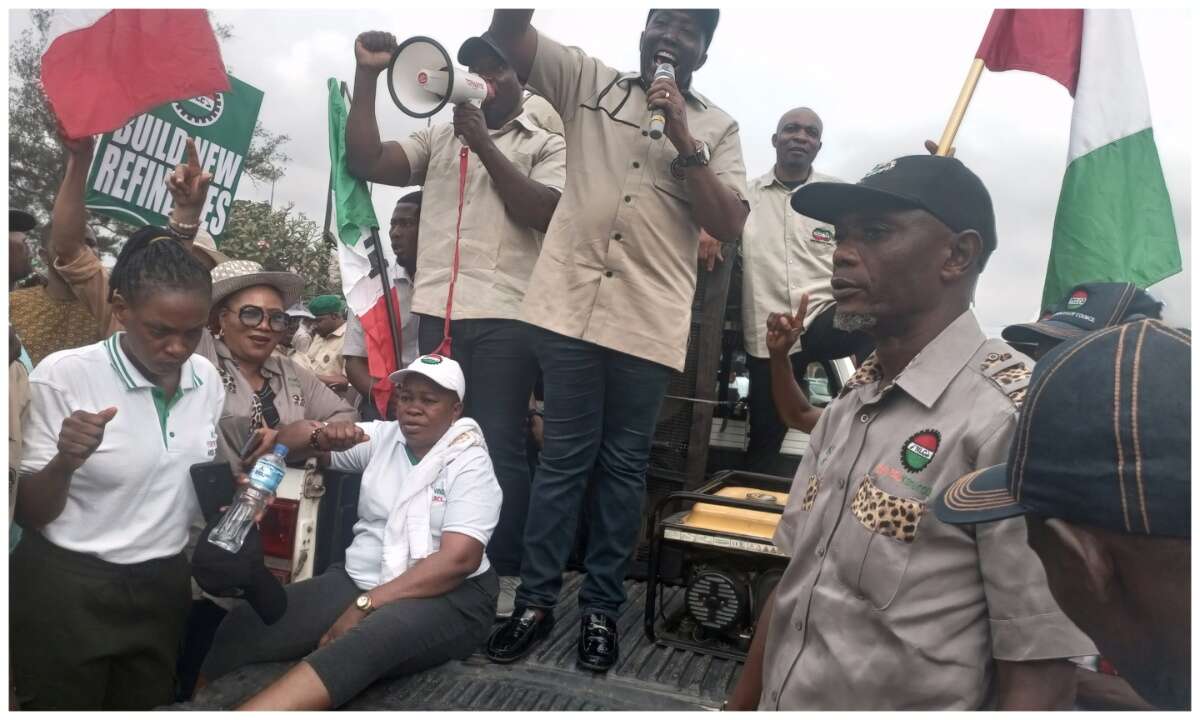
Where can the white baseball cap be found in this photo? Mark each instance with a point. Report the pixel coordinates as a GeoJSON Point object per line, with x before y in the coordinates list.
{"type": "Point", "coordinates": [442, 370]}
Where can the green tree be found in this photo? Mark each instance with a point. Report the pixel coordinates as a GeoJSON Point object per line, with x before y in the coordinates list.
{"type": "Point", "coordinates": [281, 239]}
{"type": "Point", "coordinates": [36, 160]}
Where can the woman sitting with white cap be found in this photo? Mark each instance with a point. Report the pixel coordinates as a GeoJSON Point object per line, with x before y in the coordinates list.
{"type": "Point", "coordinates": [416, 589]}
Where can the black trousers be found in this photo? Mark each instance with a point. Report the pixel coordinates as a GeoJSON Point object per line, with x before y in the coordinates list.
{"type": "Point", "coordinates": [822, 341]}
{"type": "Point", "coordinates": [93, 635]}
{"type": "Point", "coordinates": [498, 362]}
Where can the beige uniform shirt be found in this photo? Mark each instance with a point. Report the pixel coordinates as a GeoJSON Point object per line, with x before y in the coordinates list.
{"type": "Point", "coordinates": [618, 267]}
{"type": "Point", "coordinates": [299, 395]}
{"type": "Point", "coordinates": [323, 356]}
{"type": "Point", "coordinates": [784, 255]}
{"type": "Point", "coordinates": [496, 253]}
{"type": "Point", "coordinates": [882, 606]}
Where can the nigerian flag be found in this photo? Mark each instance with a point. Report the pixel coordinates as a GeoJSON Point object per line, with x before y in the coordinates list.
{"type": "Point", "coordinates": [1114, 220]}
{"type": "Point", "coordinates": [355, 221]}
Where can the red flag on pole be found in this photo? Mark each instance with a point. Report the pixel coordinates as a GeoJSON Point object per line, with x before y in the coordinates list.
{"type": "Point", "coordinates": [1046, 42]}
{"type": "Point", "coordinates": [128, 62]}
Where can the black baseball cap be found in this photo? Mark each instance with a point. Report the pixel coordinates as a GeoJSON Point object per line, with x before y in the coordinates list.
{"type": "Point", "coordinates": [707, 17]}
{"type": "Point", "coordinates": [941, 186]}
{"type": "Point", "coordinates": [1088, 307]}
{"type": "Point", "coordinates": [20, 221]}
{"type": "Point", "coordinates": [472, 46]}
{"type": "Point", "coordinates": [242, 574]}
{"type": "Point", "coordinates": [1103, 439]}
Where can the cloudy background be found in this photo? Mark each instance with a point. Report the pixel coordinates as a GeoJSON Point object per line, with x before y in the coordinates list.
{"type": "Point", "coordinates": [883, 80]}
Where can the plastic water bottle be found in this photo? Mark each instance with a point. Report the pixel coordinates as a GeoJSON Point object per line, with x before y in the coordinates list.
{"type": "Point", "coordinates": [230, 532]}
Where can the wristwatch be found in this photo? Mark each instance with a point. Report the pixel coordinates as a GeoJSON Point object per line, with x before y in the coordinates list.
{"type": "Point", "coordinates": [699, 158]}
{"type": "Point", "coordinates": [363, 602]}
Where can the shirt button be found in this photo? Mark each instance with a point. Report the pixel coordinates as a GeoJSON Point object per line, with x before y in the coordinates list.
{"type": "Point", "coordinates": [608, 273]}
{"type": "Point", "coordinates": [171, 434]}
{"type": "Point", "coordinates": [841, 482]}
{"type": "Point", "coordinates": [774, 696]}
{"type": "Point", "coordinates": [637, 164]}
{"type": "Point", "coordinates": [864, 418]}
{"type": "Point", "coordinates": [616, 236]}
{"type": "Point", "coordinates": [628, 198]}
{"type": "Point", "coordinates": [820, 551]}
{"type": "Point", "coordinates": [799, 624]}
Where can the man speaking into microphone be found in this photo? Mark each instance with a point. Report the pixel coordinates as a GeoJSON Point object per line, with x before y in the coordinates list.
{"type": "Point", "coordinates": [610, 298]}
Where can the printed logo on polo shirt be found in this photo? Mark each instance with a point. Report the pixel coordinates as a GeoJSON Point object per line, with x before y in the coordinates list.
{"type": "Point", "coordinates": [1077, 299]}
{"type": "Point", "coordinates": [439, 494]}
{"type": "Point", "coordinates": [918, 451]}
{"type": "Point", "coordinates": [822, 235]}
{"type": "Point", "coordinates": [432, 360]}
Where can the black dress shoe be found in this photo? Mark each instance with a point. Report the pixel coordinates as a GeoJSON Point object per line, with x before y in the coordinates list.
{"type": "Point", "coordinates": [516, 636]}
{"type": "Point", "coordinates": [597, 642]}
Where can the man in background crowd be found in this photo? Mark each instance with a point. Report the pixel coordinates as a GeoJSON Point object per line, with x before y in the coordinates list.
{"type": "Point", "coordinates": [324, 354]}
{"type": "Point", "coordinates": [786, 255]}
{"type": "Point", "coordinates": [20, 265]}
{"type": "Point", "coordinates": [406, 218]}
{"type": "Point", "coordinates": [296, 338]}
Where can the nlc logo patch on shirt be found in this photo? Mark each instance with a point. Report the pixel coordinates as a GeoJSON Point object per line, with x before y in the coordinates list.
{"type": "Point", "coordinates": [918, 451]}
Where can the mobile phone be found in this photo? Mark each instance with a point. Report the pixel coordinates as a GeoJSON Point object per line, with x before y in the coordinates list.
{"type": "Point", "coordinates": [251, 443]}
{"type": "Point", "coordinates": [214, 484]}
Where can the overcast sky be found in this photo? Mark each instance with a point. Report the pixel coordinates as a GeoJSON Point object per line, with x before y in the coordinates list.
{"type": "Point", "coordinates": [882, 80]}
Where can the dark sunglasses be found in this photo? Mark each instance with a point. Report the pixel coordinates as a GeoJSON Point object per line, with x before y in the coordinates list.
{"type": "Point", "coordinates": [252, 316]}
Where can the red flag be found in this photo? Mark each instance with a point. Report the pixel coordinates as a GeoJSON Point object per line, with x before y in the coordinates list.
{"type": "Point", "coordinates": [1046, 42]}
{"type": "Point", "coordinates": [381, 356]}
{"type": "Point", "coordinates": [129, 62]}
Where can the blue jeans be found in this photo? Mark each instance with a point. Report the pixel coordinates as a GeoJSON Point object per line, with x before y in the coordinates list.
{"type": "Point", "coordinates": [600, 411]}
{"type": "Point", "coordinates": [497, 360]}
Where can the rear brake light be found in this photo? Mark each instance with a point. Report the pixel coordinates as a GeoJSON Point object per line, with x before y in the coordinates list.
{"type": "Point", "coordinates": [278, 528]}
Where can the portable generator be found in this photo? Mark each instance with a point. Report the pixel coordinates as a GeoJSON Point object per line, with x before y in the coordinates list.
{"type": "Point", "coordinates": [720, 552]}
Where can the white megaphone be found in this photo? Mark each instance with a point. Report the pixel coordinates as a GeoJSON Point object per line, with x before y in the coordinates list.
{"type": "Point", "coordinates": [423, 79]}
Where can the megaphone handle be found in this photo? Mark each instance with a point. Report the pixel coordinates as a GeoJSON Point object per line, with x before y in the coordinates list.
{"type": "Point", "coordinates": [444, 348]}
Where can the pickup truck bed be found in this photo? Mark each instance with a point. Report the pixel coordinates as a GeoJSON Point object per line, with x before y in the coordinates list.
{"type": "Point", "coordinates": [647, 676]}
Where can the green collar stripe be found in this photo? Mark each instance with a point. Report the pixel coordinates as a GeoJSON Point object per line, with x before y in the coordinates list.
{"type": "Point", "coordinates": [114, 356]}
{"type": "Point", "coordinates": [411, 458]}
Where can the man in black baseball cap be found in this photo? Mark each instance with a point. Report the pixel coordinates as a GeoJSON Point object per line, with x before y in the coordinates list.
{"type": "Point", "coordinates": [935, 401]}
{"type": "Point", "coordinates": [1100, 467]}
{"type": "Point", "coordinates": [1086, 308]}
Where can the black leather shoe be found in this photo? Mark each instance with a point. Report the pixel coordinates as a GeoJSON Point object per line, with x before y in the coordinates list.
{"type": "Point", "coordinates": [597, 642]}
{"type": "Point", "coordinates": [516, 636]}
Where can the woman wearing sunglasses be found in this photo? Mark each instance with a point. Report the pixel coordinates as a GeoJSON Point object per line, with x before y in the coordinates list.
{"type": "Point", "coordinates": [267, 396]}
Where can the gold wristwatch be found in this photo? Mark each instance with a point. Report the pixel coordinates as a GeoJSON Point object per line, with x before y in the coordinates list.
{"type": "Point", "coordinates": [363, 602]}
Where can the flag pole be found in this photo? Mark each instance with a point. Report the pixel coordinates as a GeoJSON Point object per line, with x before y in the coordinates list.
{"type": "Point", "coordinates": [379, 267]}
{"type": "Point", "coordinates": [960, 108]}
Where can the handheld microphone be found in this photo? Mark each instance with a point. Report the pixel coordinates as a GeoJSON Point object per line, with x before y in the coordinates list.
{"type": "Point", "coordinates": [658, 120]}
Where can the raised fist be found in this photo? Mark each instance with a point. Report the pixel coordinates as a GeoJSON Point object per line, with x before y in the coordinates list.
{"type": "Point", "coordinates": [373, 50]}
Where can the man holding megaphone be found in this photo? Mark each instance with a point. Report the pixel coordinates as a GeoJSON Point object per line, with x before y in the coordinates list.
{"type": "Point", "coordinates": [650, 163]}
{"type": "Point", "coordinates": [511, 180]}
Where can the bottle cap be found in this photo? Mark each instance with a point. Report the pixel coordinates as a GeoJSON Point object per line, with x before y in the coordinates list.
{"type": "Point", "coordinates": [281, 450]}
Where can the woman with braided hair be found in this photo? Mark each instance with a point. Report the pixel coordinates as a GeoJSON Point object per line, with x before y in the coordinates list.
{"type": "Point", "coordinates": [100, 587]}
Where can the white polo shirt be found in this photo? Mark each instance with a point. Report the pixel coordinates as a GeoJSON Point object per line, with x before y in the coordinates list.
{"type": "Point", "coordinates": [466, 497]}
{"type": "Point", "coordinates": [133, 499]}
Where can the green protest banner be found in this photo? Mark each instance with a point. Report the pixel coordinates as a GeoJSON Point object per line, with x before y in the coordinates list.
{"type": "Point", "coordinates": [128, 176]}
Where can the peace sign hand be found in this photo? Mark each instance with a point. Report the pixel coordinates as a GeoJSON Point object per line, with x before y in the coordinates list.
{"type": "Point", "coordinates": [784, 329]}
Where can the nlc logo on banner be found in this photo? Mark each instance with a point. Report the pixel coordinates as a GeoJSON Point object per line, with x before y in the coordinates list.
{"type": "Point", "coordinates": [128, 176]}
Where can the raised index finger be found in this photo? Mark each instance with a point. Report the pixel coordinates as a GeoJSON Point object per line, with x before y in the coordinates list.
{"type": "Point", "coordinates": [193, 157]}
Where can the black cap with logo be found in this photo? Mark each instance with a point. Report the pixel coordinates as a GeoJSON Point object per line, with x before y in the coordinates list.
{"type": "Point", "coordinates": [1088, 307]}
{"type": "Point", "coordinates": [1103, 439]}
{"type": "Point", "coordinates": [941, 186]}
